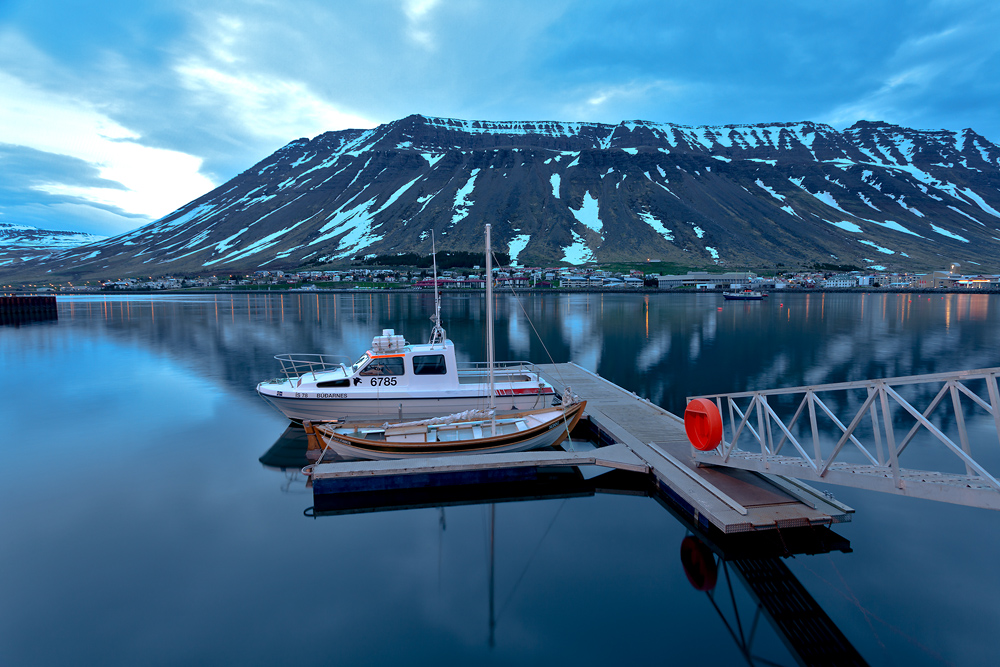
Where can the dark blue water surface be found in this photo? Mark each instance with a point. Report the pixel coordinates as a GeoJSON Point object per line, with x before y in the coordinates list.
{"type": "Point", "coordinates": [140, 527]}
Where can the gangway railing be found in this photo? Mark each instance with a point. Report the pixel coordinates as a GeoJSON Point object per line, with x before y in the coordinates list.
{"type": "Point", "coordinates": [799, 432]}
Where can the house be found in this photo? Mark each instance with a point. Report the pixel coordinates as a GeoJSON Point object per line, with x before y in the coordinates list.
{"type": "Point", "coordinates": [842, 281]}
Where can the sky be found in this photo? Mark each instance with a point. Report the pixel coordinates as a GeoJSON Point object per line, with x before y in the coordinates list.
{"type": "Point", "coordinates": [114, 113]}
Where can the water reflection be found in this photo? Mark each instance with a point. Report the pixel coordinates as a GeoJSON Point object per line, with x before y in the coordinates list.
{"type": "Point", "coordinates": [152, 467]}
{"type": "Point", "coordinates": [663, 347]}
{"type": "Point", "coordinates": [754, 584]}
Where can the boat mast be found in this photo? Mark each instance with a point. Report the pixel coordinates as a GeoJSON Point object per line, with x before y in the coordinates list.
{"type": "Point", "coordinates": [489, 318]}
{"type": "Point", "coordinates": [437, 333]}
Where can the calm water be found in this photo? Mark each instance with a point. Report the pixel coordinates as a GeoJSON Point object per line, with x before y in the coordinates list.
{"type": "Point", "coordinates": [139, 526]}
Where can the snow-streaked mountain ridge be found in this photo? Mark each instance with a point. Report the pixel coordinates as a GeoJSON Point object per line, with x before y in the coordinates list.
{"type": "Point", "coordinates": [737, 195]}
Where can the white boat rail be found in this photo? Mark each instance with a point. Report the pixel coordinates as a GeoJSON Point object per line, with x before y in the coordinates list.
{"type": "Point", "coordinates": [505, 367]}
{"type": "Point", "coordinates": [294, 365]}
{"type": "Point", "coordinates": [956, 459]}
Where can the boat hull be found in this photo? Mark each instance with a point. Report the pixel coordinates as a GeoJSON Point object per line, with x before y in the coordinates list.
{"type": "Point", "coordinates": [741, 297]}
{"type": "Point", "coordinates": [395, 407]}
{"type": "Point", "coordinates": [547, 434]}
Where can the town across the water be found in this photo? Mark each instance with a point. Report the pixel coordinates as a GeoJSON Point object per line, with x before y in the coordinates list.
{"type": "Point", "coordinates": [552, 278]}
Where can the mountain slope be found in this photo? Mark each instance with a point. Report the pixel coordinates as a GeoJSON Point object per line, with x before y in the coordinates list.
{"type": "Point", "coordinates": [737, 195]}
{"type": "Point", "coordinates": [20, 243]}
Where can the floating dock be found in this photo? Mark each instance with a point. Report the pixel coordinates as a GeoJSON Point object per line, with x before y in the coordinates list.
{"type": "Point", "coordinates": [632, 435]}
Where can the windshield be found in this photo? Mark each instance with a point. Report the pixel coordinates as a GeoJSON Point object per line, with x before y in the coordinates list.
{"type": "Point", "coordinates": [360, 362]}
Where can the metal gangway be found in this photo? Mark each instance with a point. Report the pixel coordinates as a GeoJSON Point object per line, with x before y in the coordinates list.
{"type": "Point", "coordinates": [848, 433]}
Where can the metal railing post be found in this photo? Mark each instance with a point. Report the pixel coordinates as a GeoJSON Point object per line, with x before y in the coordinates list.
{"type": "Point", "coordinates": [815, 429]}
{"type": "Point", "coordinates": [890, 439]}
{"type": "Point", "coordinates": [760, 429]}
{"type": "Point", "coordinates": [963, 435]}
{"type": "Point", "coordinates": [875, 430]}
{"type": "Point", "coordinates": [991, 387]}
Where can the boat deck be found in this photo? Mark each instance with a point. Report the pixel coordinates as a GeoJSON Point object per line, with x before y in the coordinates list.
{"type": "Point", "coordinates": [638, 436]}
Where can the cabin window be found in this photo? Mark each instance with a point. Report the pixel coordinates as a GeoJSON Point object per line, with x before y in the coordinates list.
{"type": "Point", "coordinates": [384, 366]}
{"type": "Point", "coordinates": [333, 383]}
{"type": "Point", "coordinates": [360, 362]}
{"type": "Point", "coordinates": [429, 364]}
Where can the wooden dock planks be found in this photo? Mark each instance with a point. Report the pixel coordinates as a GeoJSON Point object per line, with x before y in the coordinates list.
{"type": "Point", "coordinates": [640, 437]}
{"type": "Point", "coordinates": [725, 498]}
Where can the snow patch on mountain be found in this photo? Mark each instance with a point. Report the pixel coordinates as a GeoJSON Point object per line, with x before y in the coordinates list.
{"type": "Point", "coordinates": [516, 245]}
{"type": "Point", "coordinates": [338, 223]}
{"type": "Point", "coordinates": [846, 226]}
{"type": "Point", "coordinates": [980, 203]}
{"type": "Point", "coordinates": [945, 232]}
{"type": "Point", "coordinates": [868, 201]}
{"type": "Point", "coordinates": [966, 215]}
{"type": "Point", "coordinates": [588, 213]}
{"type": "Point", "coordinates": [657, 226]}
{"type": "Point", "coordinates": [912, 210]}
{"type": "Point", "coordinates": [578, 252]}
{"type": "Point", "coordinates": [878, 247]}
{"type": "Point", "coordinates": [770, 190]}
{"type": "Point", "coordinates": [259, 245]}
{"type": "Point", "coordinates": [892, 224]}
{"type": "Point", "coordinates": [432, 159]}
{"type": "Point", "coordinates": [462, 201]}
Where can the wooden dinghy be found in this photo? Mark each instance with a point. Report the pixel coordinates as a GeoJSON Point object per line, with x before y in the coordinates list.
{"type": "Point", "coordinates": [458, 434]}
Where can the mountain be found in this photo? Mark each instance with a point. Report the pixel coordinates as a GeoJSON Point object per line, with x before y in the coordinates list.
{"type": "Point", "coordinates": [780, 194]}
{"type": "Point", "coordinates": [23, 243]}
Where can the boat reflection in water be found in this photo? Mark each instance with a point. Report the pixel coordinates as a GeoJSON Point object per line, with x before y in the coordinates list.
{"type": "Point", "coordinates": [713, 562]}
{"type": "Point", "coordinates": [288, 455]}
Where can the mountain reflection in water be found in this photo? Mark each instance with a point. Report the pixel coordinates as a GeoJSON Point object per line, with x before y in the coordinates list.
{"type": "Point", "coordinates": [140, 526]}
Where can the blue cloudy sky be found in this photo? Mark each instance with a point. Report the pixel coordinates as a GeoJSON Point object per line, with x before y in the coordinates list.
{"type": "Point", "coordinates": [115, 112]}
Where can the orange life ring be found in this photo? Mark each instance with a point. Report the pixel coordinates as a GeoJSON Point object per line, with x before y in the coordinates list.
{"type": "Point", "coordinates": [703, 424]}
{"type": "Point", "coordinates": [699, 564]}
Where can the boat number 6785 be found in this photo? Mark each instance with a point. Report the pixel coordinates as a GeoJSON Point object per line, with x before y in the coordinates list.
{"type": "Point", "coordinates": [384, 382]}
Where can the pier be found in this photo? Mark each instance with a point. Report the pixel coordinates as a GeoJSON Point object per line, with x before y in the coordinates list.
{"type": "Point", "coordinates": [18, 309]}
{"type": "Point", "coordinates": [632, 435]}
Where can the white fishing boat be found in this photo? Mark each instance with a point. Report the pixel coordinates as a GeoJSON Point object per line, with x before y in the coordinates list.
{"type": "Point", "coordinates": [462, 433]}
{"type": "Point", "coordinates": [398, 380]}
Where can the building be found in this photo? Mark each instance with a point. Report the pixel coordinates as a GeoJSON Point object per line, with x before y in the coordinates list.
{"type": "Point", "coordinates": [703, 278]}
{"type": "Point", "coordinates": [842, 281]}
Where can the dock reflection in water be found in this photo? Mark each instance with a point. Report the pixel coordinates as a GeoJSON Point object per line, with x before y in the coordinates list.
{"type": "Point", "coordinates": [742, 575]}
{"type": "Point", "coordinates": [144, 535]}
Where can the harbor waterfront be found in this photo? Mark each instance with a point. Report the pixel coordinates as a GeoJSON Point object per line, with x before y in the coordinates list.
{"type": "Point", "coordinates": [140, 525]}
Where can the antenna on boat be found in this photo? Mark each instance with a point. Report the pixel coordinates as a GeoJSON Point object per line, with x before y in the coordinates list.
{"type": "Point", "coordinates": [437, 333]}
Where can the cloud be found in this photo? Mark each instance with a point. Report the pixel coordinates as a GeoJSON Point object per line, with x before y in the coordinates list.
{"type": "Point", "coordinates": [611, 103]}
{"type": "Point", "coordinates": [270, 108]}
{"type": "Point", "coordinates": [29, 193]}
{"type": "Point", "coordinates": [417, 12]}
{"type": "Point", "coordinates": [227, 77]}
{"type": "Point", "coordinates": [164, 100]}
{"type": "Point", "coordinates": [940, 75]}
{"type": "Point", "coordinates": [125, 174]}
